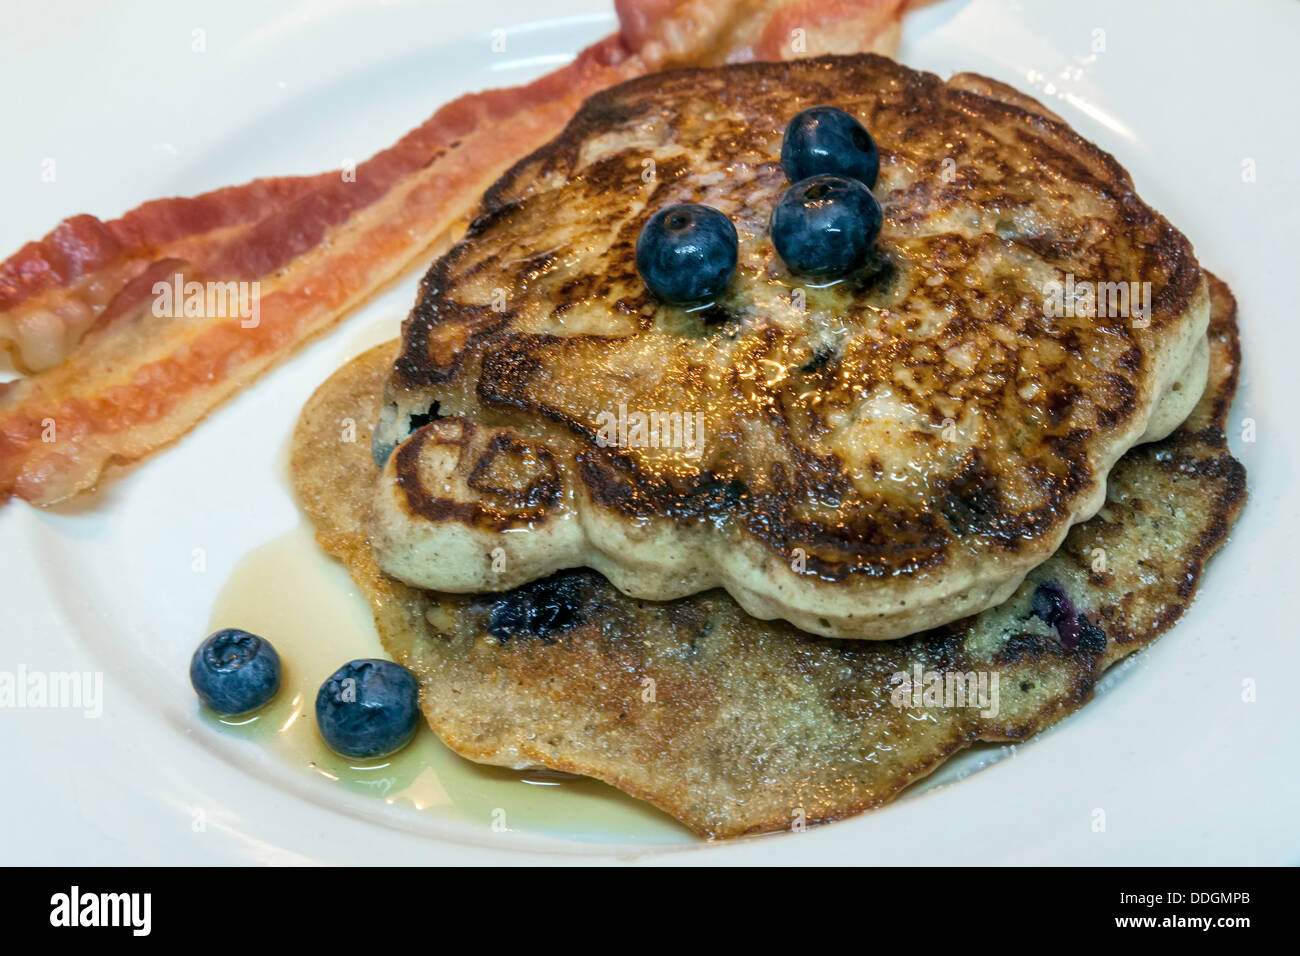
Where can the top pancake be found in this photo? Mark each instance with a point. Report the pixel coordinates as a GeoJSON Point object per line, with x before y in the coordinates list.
{"type": "Point", "coordinates": [865, 459]}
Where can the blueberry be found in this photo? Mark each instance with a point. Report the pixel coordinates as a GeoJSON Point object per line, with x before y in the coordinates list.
{"type": "Point", "coordinates": [234, 672]}
{"type": "Point", "coordinates": [824, 139]}
{"type": "Point", "coordinates": [824, 226]}
{"type": "Point", "coordinates": [1051, 605]}
{"type": "Point", "coordinates": [381, 445]}
{"type": "Point", "coordinates": [687, 253]}
{"type": "Point", "coordinates": [540, 608]}
{"type": "Point", "coordinates": [380, 449]}
{"type": "Point", "coordinates": [368, 708]}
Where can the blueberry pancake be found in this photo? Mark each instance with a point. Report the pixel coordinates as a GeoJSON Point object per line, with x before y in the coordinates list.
{"type": "Point", "coordinates": [865, 456]}
{"type": "Point", "coordinates": [735, 725]}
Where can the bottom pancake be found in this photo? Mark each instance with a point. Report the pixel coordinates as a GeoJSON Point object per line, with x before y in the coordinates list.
{"type": "Point", "coordinates": [735, 725]}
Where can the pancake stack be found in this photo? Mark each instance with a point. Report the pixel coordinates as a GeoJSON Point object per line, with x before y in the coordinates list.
{"type": "Point", "coordinates": [922, 507]}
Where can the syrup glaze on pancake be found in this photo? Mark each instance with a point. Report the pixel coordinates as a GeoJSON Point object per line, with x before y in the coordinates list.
{"type": "Point", "coordinates": [734, 725]}
{"type": "Point", "coordinates": [880, 455]}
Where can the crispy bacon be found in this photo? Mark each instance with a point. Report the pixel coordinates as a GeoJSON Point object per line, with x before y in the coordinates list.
{"type": "Point", "coordinates": [52, 290]}
{"type": "Point", "coordinates": [829, 27]}
{"type": "Point", "coordinates": [119, 381]}
{"type": "Point", "coordinates": [742, 30]}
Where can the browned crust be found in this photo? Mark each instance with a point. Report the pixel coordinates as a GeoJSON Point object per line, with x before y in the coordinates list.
{"type": "Point", "coordinates": [997, 90]}
{"type": "Point", "coordinates": [1199, 450]}
{"type": "Point", "coordinates": [528, 506]}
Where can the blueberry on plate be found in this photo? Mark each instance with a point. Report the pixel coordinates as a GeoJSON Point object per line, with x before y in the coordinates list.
{"type": "Point", "coordinates": [687, 253]}
{"type": "Point", "coordinates": [824, 139]}
{"type": "Point", "coordinates": [368, 708]}
{"type": "Point", "coordinates": [234, 672]}
{"type": "Point", "coordinates": [823, 227]}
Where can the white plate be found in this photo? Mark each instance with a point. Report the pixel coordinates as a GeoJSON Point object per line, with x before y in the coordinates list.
{"type": "Point", "coordinates": [1187, 95]}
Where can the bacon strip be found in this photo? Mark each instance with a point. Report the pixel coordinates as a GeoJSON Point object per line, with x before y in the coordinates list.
{"type": "Point", "coordinates": [316, 245]}
{"type": "Point", "coordinates": [829, 27]}
{"type": "Point", "coordinates": [52, 290]}
{"type": "Point", "coordinates": [743, 30]}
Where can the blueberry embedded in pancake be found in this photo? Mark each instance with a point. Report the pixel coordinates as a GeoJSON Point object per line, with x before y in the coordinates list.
{"type": "Point", "coordinates": [542, 609]}
{"type": "Point", "coordinates": [734, 725]}
{"type": "Point", "coordinates": [900, 444]}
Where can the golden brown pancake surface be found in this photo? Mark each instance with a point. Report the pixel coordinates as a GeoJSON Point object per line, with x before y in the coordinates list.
{"type": "Point", "coordinates": [865, 459]}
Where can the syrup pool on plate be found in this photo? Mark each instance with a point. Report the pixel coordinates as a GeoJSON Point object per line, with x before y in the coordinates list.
{"type": "Point", "coordinates": [295, 596]}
